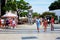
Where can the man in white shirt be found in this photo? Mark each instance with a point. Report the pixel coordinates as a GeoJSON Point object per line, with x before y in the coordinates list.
{"type": "Point", "coordinates": [3, 23]}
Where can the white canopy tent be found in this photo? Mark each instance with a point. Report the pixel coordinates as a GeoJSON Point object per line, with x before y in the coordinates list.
{"type": "Point", "coordinates": [9, 14]}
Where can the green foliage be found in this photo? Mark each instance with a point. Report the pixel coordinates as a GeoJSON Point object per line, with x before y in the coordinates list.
{"type": "Point", "coordinates": [35, 14]}
{"type": "Point", "coordinates": [10, 5]}
{"type": "Point", "coordinates": [14, 5]}
{"type": "Point", "coordinates": [58, 0]}
{"type": "Point", "coordinates": [41, 16]}
{"type": "Point", "coordinates": [48, 13]}
{"type": "Point", "coordinates": [51, 14]}
{"type": "Point", "coordinates": [23, 5]}
{"type": "Point", "coordinates": [55, 5]}
{"type": "Point", "coordinates": [23, 14]}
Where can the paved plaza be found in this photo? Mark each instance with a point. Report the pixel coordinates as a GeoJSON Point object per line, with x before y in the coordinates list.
{"type": "Point", "coordinates": [29, 32]}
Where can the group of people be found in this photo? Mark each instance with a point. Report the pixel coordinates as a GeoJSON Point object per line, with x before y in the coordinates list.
{"type": "Point", "coordinates": [11, 22]}
{"type": "Point", "coordinates": [44, 21]}
{"type": "Point", "coordinates": [8, 22]}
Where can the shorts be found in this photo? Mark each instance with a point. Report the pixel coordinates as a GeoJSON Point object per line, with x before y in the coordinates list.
{"type": "Point", "coordinates": [38, 25]}
{"type": "Point", "coordinates": [13, 25]}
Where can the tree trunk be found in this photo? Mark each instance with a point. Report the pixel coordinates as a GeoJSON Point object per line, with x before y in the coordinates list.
{"type": "Point", "coordinates": [18, 15]}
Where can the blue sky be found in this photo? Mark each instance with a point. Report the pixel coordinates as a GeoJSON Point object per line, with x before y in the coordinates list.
{"type": "Point", "coordinates": [40, 5]}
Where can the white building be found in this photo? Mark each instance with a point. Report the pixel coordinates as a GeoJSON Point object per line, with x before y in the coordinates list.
{"type": "Point", "coordinates": [57, 12]}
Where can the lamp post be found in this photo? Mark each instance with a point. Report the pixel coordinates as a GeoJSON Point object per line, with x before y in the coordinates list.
{"type": "Point", "coordinates": [30, 16]}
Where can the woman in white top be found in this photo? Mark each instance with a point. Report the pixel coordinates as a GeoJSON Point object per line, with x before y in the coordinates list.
{"type": "Point", "coordinates": [13, 23]}
{"type": "Point", "coordinates": [38, 24]}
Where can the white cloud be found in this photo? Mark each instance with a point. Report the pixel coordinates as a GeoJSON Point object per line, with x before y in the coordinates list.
{"type": "Point", "coordinates": [39, 10]}
{"type": "Point", "coordinates": [40, 5]}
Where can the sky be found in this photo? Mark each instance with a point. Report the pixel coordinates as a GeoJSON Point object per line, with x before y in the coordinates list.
{"type": "Point", "coordinates": [40, 6]}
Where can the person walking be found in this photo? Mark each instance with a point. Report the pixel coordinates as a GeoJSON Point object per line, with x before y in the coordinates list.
{"type": "Point", "coordinates": [45, 23]}
{"type": "Point", "coordinates": [52, 24]}
{"type": "Point", "coordinates": [0, 22]}
{"type": "Point", "coordinates": [7, 23]}
{"type": "Point", "coordinates": [38, 23]}
{"type": "Point", "coordinates": [13, 23]}
{"type": "Point", "coordinates": [10, 21]}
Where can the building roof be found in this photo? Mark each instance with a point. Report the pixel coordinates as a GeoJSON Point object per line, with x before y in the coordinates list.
{"type": "Point", "coordinates": [57, 12]}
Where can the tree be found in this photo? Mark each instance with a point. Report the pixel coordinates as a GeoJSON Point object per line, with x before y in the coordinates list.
{"type": "Point", "coordinates": [49, 14]}
{"type": "Point", "coordinates": [15, 5]}
{"type": "Point", "coordinates": [10, 5]}
{"type": "Point", "coordinates": [23, 14]}
{"type": "Point", "coordinates": [55, 5]}
{"type": "Point", "coordinates": [58, 0]}
{"type": "Point", "coordinates": [35, 14]}
{"type": "Point", "coordinates": [23, 5]}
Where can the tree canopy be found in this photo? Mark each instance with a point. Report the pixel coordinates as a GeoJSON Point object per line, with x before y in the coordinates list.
{"type": "Point", "coordinates": [23, 14]}
{"type": "Point", "coordinates": [35, 14]}
{"type": "Point", "coordinates": [50, 14]}
{"type": "Point", "coordinates": [10, 5]}
{"type": "Point", "coordinates": [23, 5]}
{"type": "Point", "coordinates": [14, 5]}
{"type": "Point", "coordinates": [55, 5]}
